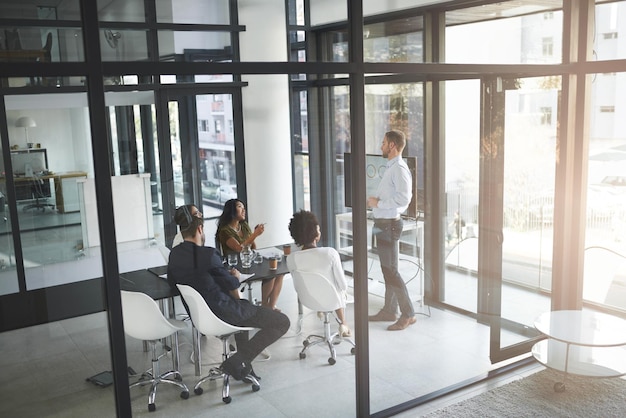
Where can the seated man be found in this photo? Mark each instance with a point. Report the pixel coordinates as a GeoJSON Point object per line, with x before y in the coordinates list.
{"type": "Point", "coordinates": [193, 264]}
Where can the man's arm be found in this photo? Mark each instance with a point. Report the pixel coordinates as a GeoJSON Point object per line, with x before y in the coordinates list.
{"type": "Point", "coordinates": [221, 275]}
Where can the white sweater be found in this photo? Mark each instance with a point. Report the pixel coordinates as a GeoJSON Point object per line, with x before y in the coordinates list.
{"type": "Point", "coordinates": [323, 260]}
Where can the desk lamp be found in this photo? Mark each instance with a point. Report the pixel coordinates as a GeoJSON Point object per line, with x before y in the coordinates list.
{"type": "Point", "coordinates": [26, 122]}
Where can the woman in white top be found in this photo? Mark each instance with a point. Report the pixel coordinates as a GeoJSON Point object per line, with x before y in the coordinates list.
{"type": "Point", "coordinates": [305, 230]}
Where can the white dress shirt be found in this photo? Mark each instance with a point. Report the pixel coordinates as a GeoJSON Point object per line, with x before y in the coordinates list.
{"type": "Point", "coordinates": [394, 190]}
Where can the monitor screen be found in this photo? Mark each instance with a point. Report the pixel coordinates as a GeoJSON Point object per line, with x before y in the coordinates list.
{"type": "Point", "coordinates": [31, 161]}
{"type": "Point", "coordinates": [375, 166]}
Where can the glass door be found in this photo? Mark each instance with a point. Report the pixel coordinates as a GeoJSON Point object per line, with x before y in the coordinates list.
{"type": "Point", "coordinates": [516, 199]}
{"type": "Point", "coordinates": [202, 138]}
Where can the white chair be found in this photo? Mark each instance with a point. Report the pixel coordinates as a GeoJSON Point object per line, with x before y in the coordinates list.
{"type": "Point", "coordinates": [205, 322]}
{"type": "Point", "coordinates": [143, 320]}
{"type": "Point", "coordinates": [316, 292]}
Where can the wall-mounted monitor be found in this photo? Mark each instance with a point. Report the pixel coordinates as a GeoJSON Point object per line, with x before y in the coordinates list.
{"type": "Point", "coordinates": [29, 162]}
{"type": "Point", "coordinates": [375, 166]}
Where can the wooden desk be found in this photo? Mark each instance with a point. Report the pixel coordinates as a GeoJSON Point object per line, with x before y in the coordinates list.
{"type": "Point", "coordinates": [64, 193]}
{"type": "Point", "coordinates": [24, 187]}
{"type": "Point", "coordinates": [23, 55]}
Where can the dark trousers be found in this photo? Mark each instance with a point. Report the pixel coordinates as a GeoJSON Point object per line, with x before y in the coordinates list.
{"type": "Point", "coordinates": [271, 326]}
{"type": "Point", "coordinates": [388, 233]}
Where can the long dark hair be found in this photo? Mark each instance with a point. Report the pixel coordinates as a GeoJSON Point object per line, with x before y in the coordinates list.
{"type": "Point", "coordinates": [228, 214]}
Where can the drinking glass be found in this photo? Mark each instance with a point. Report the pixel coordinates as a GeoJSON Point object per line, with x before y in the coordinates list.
{"type": "Point", "coordinates": [232, 260]}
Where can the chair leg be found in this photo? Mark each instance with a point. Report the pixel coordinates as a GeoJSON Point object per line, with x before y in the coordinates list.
{"type": "Point", "coordinates": [197, 358]}
{"type": "Point", "coordinates": [154, 378]}
{"type": "Point", "coordinates": [216, 373]}
{"type": "Point", "coordinates": [330, 339]}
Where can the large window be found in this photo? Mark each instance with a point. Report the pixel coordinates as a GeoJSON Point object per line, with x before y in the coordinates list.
{"type": "Point", "coordinates": [523, 38]}
{"type": "Point", "coordinates": [605, 245]}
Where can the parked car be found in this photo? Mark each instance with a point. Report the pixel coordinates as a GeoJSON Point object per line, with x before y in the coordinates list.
{"type": "Point", "coordinates": [209, 190]}
{"type": "Point", "coordinates": [226, 192]}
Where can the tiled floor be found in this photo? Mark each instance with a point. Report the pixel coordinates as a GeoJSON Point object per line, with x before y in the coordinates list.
{"type": "Point", "coordinates": [45, 367]}
{"type": "Point", "coordinates": [44, 370]}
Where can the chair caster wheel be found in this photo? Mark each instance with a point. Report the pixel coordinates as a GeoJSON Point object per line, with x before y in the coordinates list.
{"type": "Point", "coordinates": [305, 343]}
{"type": "Point", "coordinates": [198, 391]}
{"type": "Point", "coordinates": [184, 394]}
{"type": "Point", "coordinates": [227, 399]}
{"type": "Point", "coordinates": [559, 387]}
{"type": "Point", "coordinates": [331, 361]}
{"type": "Point", "coordinates": [302, 356]}
{"type": "Point", "coordinates": [151, 407]}
{"type": "Point", "coordinates": [256, 388]}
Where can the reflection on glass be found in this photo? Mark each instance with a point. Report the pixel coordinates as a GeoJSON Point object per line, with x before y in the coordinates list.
{"type": "Point", "coordinates": [216, 162]}
{"type": "Point", "coordinates": [529, 169]}
{"type": "Point", "coordinates": [461, 180]}
{"type": "Point", "coordinates": [216, 139]}
{"type": "Point", "coordinates": [177, 162]}
{"type": "Point", "coordinates": [121, 11]}
{"type": "Point", "coordinates": [395, 41]}
{"type": "Point", "coordinates": [48, 162]}
{"type": "Point", "coordinates": [8, 273]}
{"type": "Point", "coordinates": [608, 29]}
{"type": "Point", "coordinates": [18, 9]}
{"type": "Point", "coordinates": [216, 12]}
{"type": "Point", "coordinates": [605, 236]}
{"type": "Point", "coordinates": [195, 46]}
{"type": "Point", "coordinates": [37, 44]}
{"type": "Point", "coordinates": [124, 45]}
{"type": "Point", "coordinates": [398, 40]}
{"type": "Point", "coordinates": [538, 36]}
{"type": "Point", "coordinates": [203, 78]}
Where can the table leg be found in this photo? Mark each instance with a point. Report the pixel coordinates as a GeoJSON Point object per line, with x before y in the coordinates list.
{"type": "Point", "coordinates": [560, 386]}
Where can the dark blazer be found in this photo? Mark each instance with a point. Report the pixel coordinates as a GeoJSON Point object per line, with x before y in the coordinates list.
{"type": "Point", "coordinates": [202, 269]}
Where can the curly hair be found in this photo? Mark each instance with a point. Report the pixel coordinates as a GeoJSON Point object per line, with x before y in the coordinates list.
{"type": "Point", "coordinates": [303, 227]}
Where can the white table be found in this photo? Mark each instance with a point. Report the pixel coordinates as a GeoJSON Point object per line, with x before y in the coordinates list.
{"type": "Point", "coordinates": [582, 343]}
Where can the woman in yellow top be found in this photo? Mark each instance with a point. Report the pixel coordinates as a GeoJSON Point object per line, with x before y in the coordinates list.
{"type": "Point", "coordinates": [233, 233]}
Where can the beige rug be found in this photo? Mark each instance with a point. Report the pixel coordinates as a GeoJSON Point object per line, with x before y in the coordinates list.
{"type": "Point", "coordinates": [534, 396]}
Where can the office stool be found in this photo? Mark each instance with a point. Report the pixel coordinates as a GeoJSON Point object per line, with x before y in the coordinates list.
{"type": "Point", "coordinates": [316, 292]}
{"type": "Point", "coordinates": [143, 320]}
{"type": "Point", "coordinates": [207, 323]}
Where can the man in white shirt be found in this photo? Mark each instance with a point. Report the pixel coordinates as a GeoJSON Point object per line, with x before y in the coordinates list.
{"type": "Point", "coordinates": [392, 198]}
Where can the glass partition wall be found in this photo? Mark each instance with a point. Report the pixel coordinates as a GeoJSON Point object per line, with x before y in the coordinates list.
{"type": "Point", "coordinates": [194, 115]}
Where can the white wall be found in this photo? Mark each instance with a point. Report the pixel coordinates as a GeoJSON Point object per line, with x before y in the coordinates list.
{"type": "Point", "coordinates": [266, 122]}
{"type": "Point", "coordinates": [63, 131]}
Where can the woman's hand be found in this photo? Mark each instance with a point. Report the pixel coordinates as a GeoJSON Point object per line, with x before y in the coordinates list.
{"type": "Point", "coordinates": [259, 229]}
